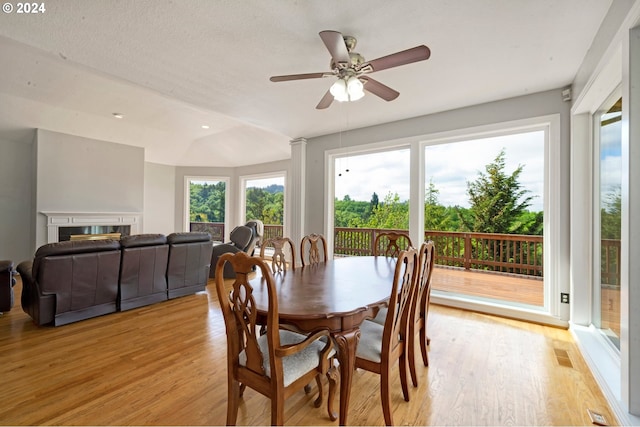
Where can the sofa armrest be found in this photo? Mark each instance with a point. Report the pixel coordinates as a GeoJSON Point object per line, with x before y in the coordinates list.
{"type": "Point", "coordinates": [41, 307]}
{"type": "Point", "coordinates": [6, 285]}
{"type": "Point", "coordinates": [6, 265]}
{"type": "Point", "coordinates": [25, 269]}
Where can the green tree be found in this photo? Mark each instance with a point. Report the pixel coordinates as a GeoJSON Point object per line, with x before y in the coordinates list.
{"type": "Point", "coordinates": [265, 204]}
{"type": "Point", "coordinates": [391, 213]}
{"type": "Point", "coordinates": [611, 215]}
{"type": "Point", "coordinates": [436, 216]}
{"type": "Point", "coordinates": [207, 202]}
{"type": "Point", "coordinates": [351, 213]}
{"type": "Point", "coordinates": [374, 201]}
{"type": "Point", "coordinates": [497, 199]}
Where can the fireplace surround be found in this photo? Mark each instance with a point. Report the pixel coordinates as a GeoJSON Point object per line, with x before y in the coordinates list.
{"type": "Point", "coordinates": [60, 223]}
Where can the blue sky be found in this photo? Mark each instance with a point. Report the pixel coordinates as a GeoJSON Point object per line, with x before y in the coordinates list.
{"type": "Point", "coordinates": [610, 158]}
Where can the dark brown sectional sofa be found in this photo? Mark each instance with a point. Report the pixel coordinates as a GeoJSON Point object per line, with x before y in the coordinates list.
{"type": "Point", "coordinates": [76, 280]}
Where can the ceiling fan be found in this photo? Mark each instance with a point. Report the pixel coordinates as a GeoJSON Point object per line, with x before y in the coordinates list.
{"type": "Point", "coordinates": [351, 68]}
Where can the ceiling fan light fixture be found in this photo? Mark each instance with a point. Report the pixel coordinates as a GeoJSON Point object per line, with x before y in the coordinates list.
{"type": "Point", "coordinates": [355, 88]}
{"type": "Point", "coordinates": [347, 89]}
{"type": "Point", "coordinates": [339, 89]}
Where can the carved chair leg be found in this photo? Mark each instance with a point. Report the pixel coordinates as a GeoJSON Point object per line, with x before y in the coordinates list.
{"type": "Point", "coordinates": [277, 411]}
{"type": "Point", "coordinates": [333, 375]}
{"type": "Point", "coordinates": [385, 394]}
{"type": "Point", "coordinates": [318, 402]}
{"type": "Point", "coordinates": [233, 401]}
{"type": "Point", "coordinates": [424, 342]}
{"type": "Point", "coordinates": [403, 375]}
{"type": "Point", "coordinates": [411, 347]}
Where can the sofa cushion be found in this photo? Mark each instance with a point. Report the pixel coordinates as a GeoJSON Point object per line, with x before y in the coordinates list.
{"type": "Point", "coordinates": [77, 247]}
{"type": "Point", "coordinates": [188, 237]}
{"type": "Point", "coordinates": [138, 240]}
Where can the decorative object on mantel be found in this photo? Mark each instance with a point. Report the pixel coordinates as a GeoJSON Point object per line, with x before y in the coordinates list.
{"type": "Point", "coordinates": [349, 67]}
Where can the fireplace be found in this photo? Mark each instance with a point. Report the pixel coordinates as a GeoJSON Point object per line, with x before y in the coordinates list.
{"type": "Point", "coordinates": [93, 232]}
{"type": "Point", "coordinates": [89, 225]}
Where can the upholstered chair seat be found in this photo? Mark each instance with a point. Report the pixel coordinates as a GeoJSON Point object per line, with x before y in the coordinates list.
{"type": "Point", "coordinates": [296, 365]}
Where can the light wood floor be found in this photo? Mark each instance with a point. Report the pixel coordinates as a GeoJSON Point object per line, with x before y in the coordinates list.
{"type": "Point", "coordinates": [165, 365]}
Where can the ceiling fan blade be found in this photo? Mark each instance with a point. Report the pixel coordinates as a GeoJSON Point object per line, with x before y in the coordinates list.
{"type": "Point", "coordinates": [336, 46]}
{"type": "Point", "coordinates": [377, 88]}
{"type": "Point", "coordinates": [325, 102]}
{"type": "Point", "coordinates": [418, 53]}
{"type": "Point", "coordinates": [299, 77]}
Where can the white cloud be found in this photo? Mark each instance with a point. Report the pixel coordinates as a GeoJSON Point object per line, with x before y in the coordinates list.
{"type": "Point", "coordinates": [381, 173]}
{"type": "Point", "coordinates": [449, 165]}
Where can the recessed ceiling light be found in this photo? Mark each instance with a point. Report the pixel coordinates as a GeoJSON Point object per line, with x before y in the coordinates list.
{"type": "Point", "coordinates": [118, 115]}
{"type": "Point", "coordinates": [205, 126]}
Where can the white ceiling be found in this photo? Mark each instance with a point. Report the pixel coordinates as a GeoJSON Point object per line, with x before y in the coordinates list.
{"type": "Point", "coordinates": [171, 66]}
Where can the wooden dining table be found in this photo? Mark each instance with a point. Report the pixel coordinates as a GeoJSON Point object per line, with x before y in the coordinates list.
{"type": "Point", "coordinates": [337, 295]}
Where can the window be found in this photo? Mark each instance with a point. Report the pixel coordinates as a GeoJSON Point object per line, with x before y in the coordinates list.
{"type": "Point", "coordinates": [371, 193]}
{"type": "Point", "coordinates": [263, 199]}
{"type": "Point", "coordinates": [484, 209]}
{"type": "Point", "coordinates": [206, 205]}
{"type": "Point", "coordinates": [608, 123]}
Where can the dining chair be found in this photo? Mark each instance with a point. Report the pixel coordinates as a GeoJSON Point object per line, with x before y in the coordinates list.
{"type": "Point", "coordinates": [390, 243]}
{"type": "Point", "coordinates": [315, 254]}
{"type": "Point", "coordinates": [278, 363]}
{"type": "Point", "coordinates": [279, 259]}
{"type": "Point", "coordinates": [420, 308]}
{"type": "Point", "coordinates": [381, 346]}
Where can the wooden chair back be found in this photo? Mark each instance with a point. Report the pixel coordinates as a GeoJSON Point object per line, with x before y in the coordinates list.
{"type": "Point", "coordinates": [402, 292]}
{"type": "Point", "coordinates": [420, 307]}
{"type": "Point", "coordinates": [393, 346]}
{"type": "Point", "coordinates": [391, 243]}
{"type": "Point", "coordinates": [251, 363]}
{"type": "Point", "coordinates": [317, 249]}
{"type": "Point", "coordinates": [279, 258]}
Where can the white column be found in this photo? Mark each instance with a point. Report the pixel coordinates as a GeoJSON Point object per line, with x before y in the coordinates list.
{"type": "Point", "coordinates": [581, 237]}
{"type": "Point", "coordinates": [416, 192]}
{"type": "Point", "coordinates": [630, 267]}
{"type": "Point", "coordinates": [296, 191]}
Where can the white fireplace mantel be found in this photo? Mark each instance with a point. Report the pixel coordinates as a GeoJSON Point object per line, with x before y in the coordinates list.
{"type": "Point", "coordinates": [55, 220]}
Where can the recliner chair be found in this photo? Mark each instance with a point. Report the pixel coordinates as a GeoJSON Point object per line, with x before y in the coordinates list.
{"type": "Point", "coordinates": [243, 238]}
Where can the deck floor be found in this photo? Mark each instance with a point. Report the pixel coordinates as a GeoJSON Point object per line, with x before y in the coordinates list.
{"type": "Point", "coordinates": [504, 287]}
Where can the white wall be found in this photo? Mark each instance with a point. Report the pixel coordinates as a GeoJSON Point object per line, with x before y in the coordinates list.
{"type": "Point", "coordinates": [16, 228]}
{"type": "Point", "coordinates": [612, 60]}
{"type": "Point", "coordinates": [159, 198]}
{"type": "Point", "coordinates": [75, 174]}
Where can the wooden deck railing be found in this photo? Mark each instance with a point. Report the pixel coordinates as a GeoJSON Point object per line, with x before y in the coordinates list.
{"type": "Point", "coordinates": [216, 229]}
{"type": "Point", "coordinates": [505, 253]}
{"type": "Point", "coordinates": [610, 262]}
{"type": "Point", "coordinates": [356, 241]}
